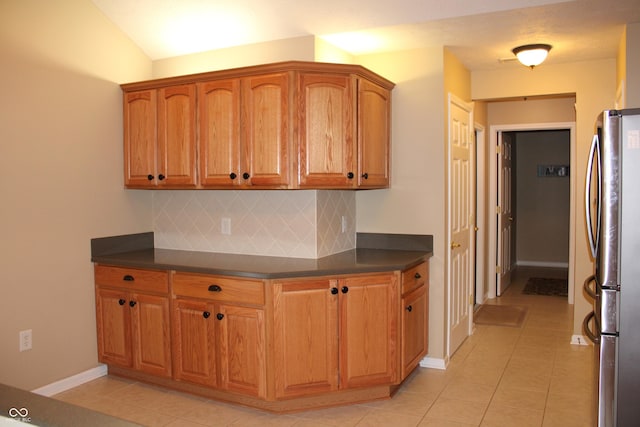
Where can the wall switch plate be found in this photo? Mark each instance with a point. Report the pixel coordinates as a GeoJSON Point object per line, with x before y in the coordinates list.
{"type": "Point", "coordinates": [26, 340]}
{"type": "Point", "coordinates": [225, 226]}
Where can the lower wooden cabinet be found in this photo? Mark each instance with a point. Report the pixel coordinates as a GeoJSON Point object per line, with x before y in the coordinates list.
{"type": "Point", "coordinates": [280, 345]}
{"type": "Point", "coordinates": [133, 327]}
{"type": "Point", "coordinates": [334, 334]}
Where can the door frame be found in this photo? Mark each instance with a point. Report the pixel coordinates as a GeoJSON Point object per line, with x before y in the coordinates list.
{"type": "Point", "coordinates": [481, 234]}
{"type": "Point", "coordinates": [493, 190]}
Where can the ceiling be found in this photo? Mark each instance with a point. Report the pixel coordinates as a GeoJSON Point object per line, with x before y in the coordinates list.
{"type": "Point", "coordinates": [480, 33]}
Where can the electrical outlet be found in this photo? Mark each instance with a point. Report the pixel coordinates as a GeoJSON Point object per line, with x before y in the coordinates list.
{"type": "Point", "coordinates": [26, 340]}
{"type": "Point", "coordinates": [343, 223]}
{"type": "Point", "coordinates": [225, 226]}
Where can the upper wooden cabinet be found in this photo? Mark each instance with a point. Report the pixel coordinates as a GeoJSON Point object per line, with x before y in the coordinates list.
{"type": "Point", "coordinates": [285, 125]}
{"type": "Point", "coordinates": [160, 137]}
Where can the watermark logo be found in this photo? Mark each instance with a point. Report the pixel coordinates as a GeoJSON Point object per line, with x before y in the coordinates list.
{"type": "Point", "coordinates": [20, 414]}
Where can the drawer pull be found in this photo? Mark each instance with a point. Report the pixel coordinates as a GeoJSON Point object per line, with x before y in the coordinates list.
{"type": "Point", "coordinates": [215, 288]}
{"type": "Point", "coordinates": [220, 316]}
{"type": "Point", "coordinates": [132, 303]}
{"type": "Point", "coordinates": [334, 291]}
{"type": "Point", "coordinates": [345, 289]}
{"type": "Point", "coordinates": [409, 308]}
{"type": "Point", "coordinates": [128, 278]}
{"type": "Point", "coordinates": [206, 314]}
{"type": "Point", "coordinates": [121, 301]}
{"type": "Point", "coordinates": [417, 276]}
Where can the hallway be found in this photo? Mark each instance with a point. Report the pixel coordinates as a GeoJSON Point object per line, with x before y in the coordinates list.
{"type": "Point", "coordinates": [500, 377]}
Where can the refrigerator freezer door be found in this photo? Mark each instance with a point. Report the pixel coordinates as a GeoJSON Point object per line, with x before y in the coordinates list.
{"type": "Point", "coordinates": [606, 380]}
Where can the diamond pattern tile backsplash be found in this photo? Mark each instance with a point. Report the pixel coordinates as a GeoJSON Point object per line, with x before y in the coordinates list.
{"type": "Point", "coordinates": [299, 224]}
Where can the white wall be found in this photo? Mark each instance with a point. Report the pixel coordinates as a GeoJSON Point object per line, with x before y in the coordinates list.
{"type": "Point", "coordinates": [61, 180]}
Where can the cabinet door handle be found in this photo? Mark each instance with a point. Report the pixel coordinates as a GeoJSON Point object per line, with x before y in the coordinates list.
{"type": "Point", "coordinates": [233, 175]}
{"type": "Point", "coordinates": [215, 288]}
{"type": "Point", "coordinates": [161, 177]}
{"type": "Point", "coordinates": [150, 177]}
{"type": "Point", "coordinates": [350, 175]}
{"type": "Point", "coordinates": [121, 301]}
{"type": "Point", "coordinates": [334, 291]}
{"type": "Point", "coordinates": [417, 276]}
{"type": "Point", "coordinates": [132, 303]}
{"type": "Point", "coordinates": [220, 316]}
{"type": "Point", "coordinates": [246, 175]}
{"type": "Point", "coordinates": [206, 314]}
{"type": "Point", "coordinates": [345, 289]}
{"type": "Point", "coordinates": [409, 308]}
{"type": "Point", "coordinates": [365, 175]}
{"type": "Point", "coordinates": [128, 278]}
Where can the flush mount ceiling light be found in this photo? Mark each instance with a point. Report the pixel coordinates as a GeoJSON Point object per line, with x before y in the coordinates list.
{"type": "Point", "coordinates": [532, 55]}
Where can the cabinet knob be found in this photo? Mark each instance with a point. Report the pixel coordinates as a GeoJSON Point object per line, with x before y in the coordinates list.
{"type": "Point", "coordinates": [345, 289]}
{"type": "Point", "coordinates": [215, 288]}
{"type": "Point", "coordinates": [121, 301]}
{"type": "Point", "coordinates": [334, 291]}
{"type": "Point", "coordinates": [150, 177]}
{"type": "Point", "coordinates": [132, 303]}
{"type": "Point", "coordinates": [206, 314]}
{"type": "Point", "coordinates": [350, 175]}
{"type": "Point", "coordinates": [128, 278]}
{"type": "Point", "coordinates": [417, 275]}
{"type": "Point", "coordinates": [232, 175]}
{"type": "Point", "coordinates": [246, 175]}
{"type": "Point", "coordinates": [409, 308]}
{"type": "Point", "coordinates": [220, 316]}
{"type": "Point", "coordinates": [365, 175]}
{"type": "Point", "coordinates": [161, 177]}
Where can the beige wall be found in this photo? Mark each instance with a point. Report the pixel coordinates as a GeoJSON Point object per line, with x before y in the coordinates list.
{"type": "Point", "coordinates": [593, 83]}
{"type": "Point", "coordinates": [61, 179]}
{"type": "Point", "coordinates": [632, 66]}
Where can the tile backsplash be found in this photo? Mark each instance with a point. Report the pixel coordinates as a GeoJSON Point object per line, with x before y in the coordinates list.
{"type": "Point", "coordinates": [299, 224]}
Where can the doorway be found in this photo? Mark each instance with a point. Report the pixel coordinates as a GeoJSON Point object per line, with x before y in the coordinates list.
{"type": "Point", "coordinates": [496, 133]}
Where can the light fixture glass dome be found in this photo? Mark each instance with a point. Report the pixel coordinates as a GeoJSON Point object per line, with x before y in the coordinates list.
{"type": "Point", "coordinates": [532, 55]}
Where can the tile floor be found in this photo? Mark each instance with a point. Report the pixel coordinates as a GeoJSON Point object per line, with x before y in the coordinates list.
{"type": "Point", "coordinates": [500, 376]}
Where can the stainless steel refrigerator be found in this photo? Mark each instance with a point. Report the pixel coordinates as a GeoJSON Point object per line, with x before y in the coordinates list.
{"type": "Point", "coordinates": [612, 204]}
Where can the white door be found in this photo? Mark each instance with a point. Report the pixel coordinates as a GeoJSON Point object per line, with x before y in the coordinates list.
{"type": "Point", "coordinates": [461, 221]}
{"type": "Point", "coordinates": [504, 213]}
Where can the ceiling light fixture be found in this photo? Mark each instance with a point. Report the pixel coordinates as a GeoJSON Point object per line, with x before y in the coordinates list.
{"type": "Point", "coordinates": [532, 55]}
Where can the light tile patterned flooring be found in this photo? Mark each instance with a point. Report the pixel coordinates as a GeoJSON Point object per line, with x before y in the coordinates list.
{"type": "Point", "coordinates": [499, 377]}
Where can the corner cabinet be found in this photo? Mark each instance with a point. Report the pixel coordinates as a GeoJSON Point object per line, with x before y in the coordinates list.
{"type": "Point", "coordinates": [280, 345]}
{"type": "Point", "coordinates": [289, 125]}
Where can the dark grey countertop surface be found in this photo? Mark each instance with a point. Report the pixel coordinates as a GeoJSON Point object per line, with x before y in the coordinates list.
{"type": "Point", "coordinates": [382, 252]}
{"type": "Point", "coordinates": [20, 407]}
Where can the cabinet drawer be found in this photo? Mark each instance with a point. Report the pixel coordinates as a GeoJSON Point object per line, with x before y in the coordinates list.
{"type": "Point", "coordinates": [415, 277]}
{"type": "Point", "coordinates": [132, 278]}
{"type": "Point", "coordinates": [219, 288]}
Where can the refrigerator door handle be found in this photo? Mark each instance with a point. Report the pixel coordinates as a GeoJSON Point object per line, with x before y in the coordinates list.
{"type": "Point", "coordinates": [593, 235]}
{"type": "Point", "coordinates": [587, 289]}
{"type": "Point", "coordinates": [585, 326]}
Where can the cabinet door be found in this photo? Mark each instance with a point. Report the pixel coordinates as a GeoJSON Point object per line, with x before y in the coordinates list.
{"type": "Point", "coordinates": [326, 134]}
{"type": "Point", "coordinates": [415, 328]}
{"type": "Point", "coordinates": [194, 346]}
{"type": "Point", "coordinates": [242, 349]}
{"type": "Point", "coordinates": [113, 327]}
{"type": "Point", "coordinates": [219, 140]}
{"type": "Point", "coordinates": [368, 330]}
{"type": "Point", "coordinates": [177, 136]}
{"type": "Point", "coordinates": [266, 139]}
{"type": "Point", "coordinates": [374, 117]}
{"type": "Point", "coordinates": [140, 112]}
{"type": "Point", "coordinates": [305, 337]}
{"type": "Point", "coordinates": [151, 334]}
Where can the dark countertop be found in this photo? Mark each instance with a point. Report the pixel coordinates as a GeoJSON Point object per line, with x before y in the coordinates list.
{"type": "Point", "coordinates": [381, 254]}
{"type": "Point", "coordinates": [33, 409]}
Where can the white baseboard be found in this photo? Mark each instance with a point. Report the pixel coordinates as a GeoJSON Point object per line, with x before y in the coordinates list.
{"type": "Point", "coordinates": [579, 340]}
{"type": "Point", "coordinates": [434, 363]}
{"type": "Point", "coordinates": [542, 264]}
{"type": "Point", "coordinates": [72, 381]}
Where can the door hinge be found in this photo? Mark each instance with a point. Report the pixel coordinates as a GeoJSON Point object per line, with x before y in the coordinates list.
{"type": "Point", "coordinates": [498, 210]}
{"type": "Point", "coordinates": [470, 299]}
{"type": "Point", "coordinates": [498, 149]}
{"type": "Point", "coordinates": [498, 269]}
